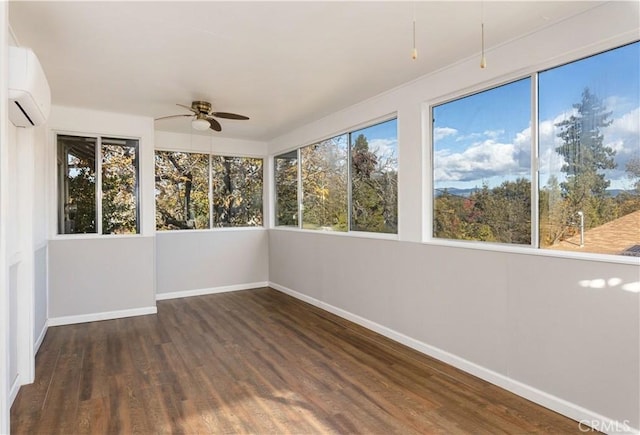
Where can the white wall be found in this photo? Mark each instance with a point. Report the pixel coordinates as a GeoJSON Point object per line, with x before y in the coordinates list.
{"type": "Point", "coordinates": [15, 257]}
{"type": "Point", "coordinates": [200, 262]}
{"type": "Point", "coordinates": [209, 143]}
{"type": "Point", "coordinates": [100, 278]}
{"type": "Point", "coordinates": [95, 277]}
{"type": "Point", "coordinates": [40, 236]}
{"type": "Point", "coordinates": [18, 242]}
{"type": "Point", "coordinates": [206, 261]}
{"type": "Point", "coordinates": [5, 322]}
{"type": "Point", "coordinates": [522, 319]}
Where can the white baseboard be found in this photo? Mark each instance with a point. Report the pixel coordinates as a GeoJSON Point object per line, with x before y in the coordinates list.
{"type": "Point", "coordinates": [15, 387]}
{"type": "Point", "coordinates": [584, 417]}
{"type": "Point", "coordinates": [95, 317]}
{"type": "Point", "coordinates": [40, 339]}
{"type": "Point", "coordinates": [211, 290]}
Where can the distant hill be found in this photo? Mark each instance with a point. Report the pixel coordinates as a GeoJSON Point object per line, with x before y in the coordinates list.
{"type": "Point", "coordinates": [457, 192]}
{"type": "Point", "coordinates": [616, 192]}
{"type": "Point", "coordinates": [467, 192]}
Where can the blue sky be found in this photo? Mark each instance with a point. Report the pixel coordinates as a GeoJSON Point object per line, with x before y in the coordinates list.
{"type": "Point", "coordinates": [485, 138]}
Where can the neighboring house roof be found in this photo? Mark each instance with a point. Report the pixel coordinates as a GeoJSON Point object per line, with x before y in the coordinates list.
{"type": "Point", "coordinates": [620, 236]}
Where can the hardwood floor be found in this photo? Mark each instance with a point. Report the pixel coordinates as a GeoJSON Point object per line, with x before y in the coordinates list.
{"type": "Point", "coordinates": [255, 361]}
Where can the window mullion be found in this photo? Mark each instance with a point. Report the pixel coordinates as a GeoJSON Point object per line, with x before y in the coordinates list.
{"type": "Point", "coordinates": [210, 194]}
{"type": "Point", "coordinates": [300, 191]}
{"type": "Point", "coordinates": [535, 165]}
{"type": "Point", "coordinates": [98, 156]}
{"type": "Point", "coordinates": [349, 183]}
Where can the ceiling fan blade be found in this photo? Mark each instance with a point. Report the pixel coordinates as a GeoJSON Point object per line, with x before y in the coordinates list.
{"type": "Point", "coordinates": [188, 108]}
{"type": "Point", "coordinates": [229, 115]}
{"type": "Point", "coordinates": [171, 116]}
{"type": "Point", "coordinates": [215, 125]}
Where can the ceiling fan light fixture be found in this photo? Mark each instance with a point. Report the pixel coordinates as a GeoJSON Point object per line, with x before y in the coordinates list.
{"type": "Point", "coordinates": [200, 124]}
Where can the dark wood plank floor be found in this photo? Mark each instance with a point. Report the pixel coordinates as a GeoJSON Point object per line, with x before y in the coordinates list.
{"type": "Point", "coordinates": [255, 361]}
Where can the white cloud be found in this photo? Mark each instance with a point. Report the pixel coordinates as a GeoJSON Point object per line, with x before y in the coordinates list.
{"type": "Point", "coordinates": [493, 134]}
{"type": "Point", "coordinates": [522, 140]}
{"type": "Point", "coordinates": [489, 157]}
{"type": "Point", "coordinates": [442, 132]}
{"type": "Point", "coordinates": [479, 161]}
{"type": "Point", "coordinates": [627, 124]}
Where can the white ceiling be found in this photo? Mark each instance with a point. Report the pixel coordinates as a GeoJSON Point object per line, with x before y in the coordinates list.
{"type": "Point", "coordinates": [283, 64]}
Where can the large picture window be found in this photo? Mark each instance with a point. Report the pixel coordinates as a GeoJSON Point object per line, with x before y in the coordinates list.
{"type": "Point", "coordinates": [98, 185]}
{"type": "Point", "coordinates": [589, 132]}
{"type": "Point", "coordinates": [347, 183]}
{"type": "Point", "coordinates": [587, 197]}
{"type": "Point", "coordinates": [482, 166]}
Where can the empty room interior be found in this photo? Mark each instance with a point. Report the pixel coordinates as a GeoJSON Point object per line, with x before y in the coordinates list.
{"type": "Point", "coordinates": [320, 217]}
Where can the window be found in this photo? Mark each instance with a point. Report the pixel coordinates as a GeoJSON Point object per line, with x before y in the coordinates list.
{"type": "Point", "coordinates": [482, 166]}
{"type": "Point", "coordinates": [182, 190]}
{"type": "Point", "coordinates": [105, 204]}
{"type": "Point", "coordinates": [324, 184]}
{"type": "Point", "coordinates": [286, 186]}
{"type": "Point", "coordinates": [589, 130]}
{"type": "Point", "coordinates": [199, 191]}
{"type": "Point", "coordinates": [587, 195]}
{"type": "Point", "coordinates": [374, 178]}
{"type": "Point", "coordinates": [237, 191]}
{"type": "Point", "coordinates": [347, 183]}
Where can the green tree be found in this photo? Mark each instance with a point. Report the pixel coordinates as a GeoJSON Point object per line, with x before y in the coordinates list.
{"type": "Point", "coordinates": [237, 191]}
{"type": "Point", "coordinates": [554, 214]}
{"type": "Point", "coordinates": [119, 189]}
{"type": "Point", "coordinates": [585, 156]}
{"type": "Point", "coordinates": [633, 172]}
{"type": "Point", "coordinates": [629, 201]}
{"type": "Point", "coordinates": [80, 208]}
{"type": "Point", "coordinates": [286, 187]}
{"type": "Point", "coordinates": [374, 197]}
{"type": "Point", "coordinates": [324, 184]}
{"type": "Point", "coordinates": [182, 186]}
{"type": "Point", "coordinates": [500, 214]}
{"type": "Point", "coordinates": [449, 220]}
{"type": "Point", "coordinates": [507, 211]}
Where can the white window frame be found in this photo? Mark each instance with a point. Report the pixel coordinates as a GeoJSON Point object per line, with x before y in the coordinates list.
{"type": "Point", "coordinates": [428, 143]}
{"type": "Point", "coordinates": [210, 192]}
{"type": "Point", "coordinates": [98, 193]}
{"type": "Point", "coordinates": [349, 232]}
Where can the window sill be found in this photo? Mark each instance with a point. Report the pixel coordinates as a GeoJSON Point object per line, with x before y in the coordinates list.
{"type": "Point", "coordinates": [94, 236]}
{"type": "Point", "coordinates": [529, 250]}
{"type": "Point", "coordinates": [210, 230]}
{"type": "Point", "coordinates": [356, 234]}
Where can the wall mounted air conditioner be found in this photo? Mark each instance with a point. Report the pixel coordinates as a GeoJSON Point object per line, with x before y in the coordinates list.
{"type": "Point", "coordinates": [29, 93]}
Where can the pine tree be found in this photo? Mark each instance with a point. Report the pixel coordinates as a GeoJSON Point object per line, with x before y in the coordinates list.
{"type": "Point", "coordinates": [585, 155]}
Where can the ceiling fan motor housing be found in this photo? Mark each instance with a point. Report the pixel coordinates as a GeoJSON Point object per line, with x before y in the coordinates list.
{"type": "Point", "coordinates": [201, 106]}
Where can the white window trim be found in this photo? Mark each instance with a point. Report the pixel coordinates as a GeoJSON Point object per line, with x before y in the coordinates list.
{"type": "Point", "coordinates": [348, 132]}
{"type": "Point", "coordinates": [55, 235]}
{"type": "Point", "coordinates": [530, 250]}
{"type": "Point", "coordinates": [356, 234]}
{"type": "Point", "coordinates": [210, 192]}
{"type": "Point", "coordinates": [212, 230]}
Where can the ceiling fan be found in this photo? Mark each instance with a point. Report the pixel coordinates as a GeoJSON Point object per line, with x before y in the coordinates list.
{"type": "Point", "coordinates": [204, 117]}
